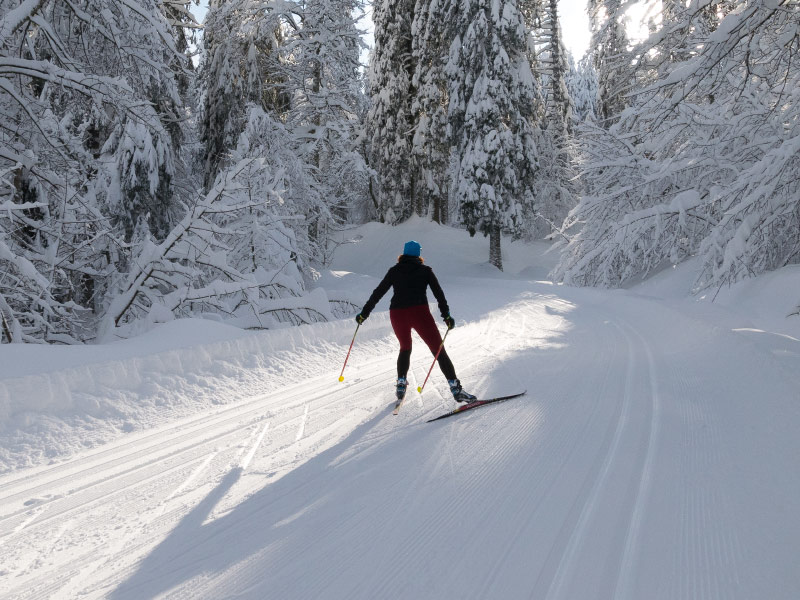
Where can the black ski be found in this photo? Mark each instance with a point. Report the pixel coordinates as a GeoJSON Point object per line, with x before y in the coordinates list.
{"type": "Point", "coordinates": [476, 404]}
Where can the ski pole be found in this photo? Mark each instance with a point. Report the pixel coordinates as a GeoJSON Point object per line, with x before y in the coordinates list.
{"type": "Point", "coordinates": [435, 358]}
{"type": "Point", "coordinates": [341, 375]}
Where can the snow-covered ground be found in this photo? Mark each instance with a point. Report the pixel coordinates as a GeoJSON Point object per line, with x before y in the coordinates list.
{"type": "Point", "coordinates": [654, 455]}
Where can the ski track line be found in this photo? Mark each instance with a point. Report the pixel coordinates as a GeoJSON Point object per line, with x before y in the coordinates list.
{"type": "Point", "coordinates": [562, 450]}
{"type": "Point", "coordinates": [520, 515]}
{"type": "Point", "coordinates": [150, 530]}
{"type": "Point", "coordinates": [302, 428]}
{"type": "Point", "coordinates": [92, 524]}
{"type": "Point", "coordinates": [450, 517]}
{"type": "Point", "coordinates": [627, 575]}
{"type": "Point", "coordinates": [194, 475]}
{"type": "Point", "coordinates": [179, 466]}
{"type": "Point", "coordinates": [83, 506]}
{"type": "Point", "coordinates": [567, 563]}
{"type": "Point", "coordinates": [282, 398]}
{"type": "Point", "coordinates": [212, 427]}
{"type": "Point", "coordinates": [79, 567]}
{"type": "Point", "coordinates": [98, 489]}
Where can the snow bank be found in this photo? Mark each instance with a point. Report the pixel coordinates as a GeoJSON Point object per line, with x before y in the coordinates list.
{"type": "Point", "coordinates": [58, 400]}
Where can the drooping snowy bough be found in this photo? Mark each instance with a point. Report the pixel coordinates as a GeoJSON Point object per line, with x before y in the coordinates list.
{"type": "Point", "coordinates": [706, 160]}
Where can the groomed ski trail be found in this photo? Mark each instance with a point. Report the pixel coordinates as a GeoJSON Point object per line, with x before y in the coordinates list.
{"type": "Point", "coordinates": [649, 459]}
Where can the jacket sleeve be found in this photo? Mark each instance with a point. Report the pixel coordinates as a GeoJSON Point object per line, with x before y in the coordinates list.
{"type": "Point", "coordinates": [438, 293]}
{"type": "Point", "coordinates": [377, 294]}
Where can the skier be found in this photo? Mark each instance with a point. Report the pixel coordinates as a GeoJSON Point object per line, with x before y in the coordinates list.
{"type": "Point", "coordinates": [409, 310]}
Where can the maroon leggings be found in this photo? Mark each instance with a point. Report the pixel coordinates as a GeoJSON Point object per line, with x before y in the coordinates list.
{"type": "Point", "coordinates": [420, 319]}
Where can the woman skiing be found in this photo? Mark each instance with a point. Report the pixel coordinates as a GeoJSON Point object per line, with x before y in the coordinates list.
{"type": "Point", "coordinates": [409, 310]}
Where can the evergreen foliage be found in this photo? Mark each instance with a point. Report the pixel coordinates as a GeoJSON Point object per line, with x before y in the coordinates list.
{"type": "Point", "coordinates": [491, 92]}
{"type": "Point", "coordinates": [430, 44]}
{"type": "Point", "coordinates": [391, 118]}
{"type": "Point", "coordinates": [611, 56]}
{"type": "Point", "coordinates": [556, 189]}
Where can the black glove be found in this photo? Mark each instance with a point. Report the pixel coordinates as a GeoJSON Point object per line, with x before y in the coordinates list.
{"type": "Point", "coordinates": [360, 318]}
{"type": "Point", "coordinates": [450, 322]}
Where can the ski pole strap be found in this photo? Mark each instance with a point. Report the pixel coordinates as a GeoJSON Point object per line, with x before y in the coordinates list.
{"type": "Point", "coordinates": [341, 375]}
{"type": "Point", "coordinates": [435, 358]}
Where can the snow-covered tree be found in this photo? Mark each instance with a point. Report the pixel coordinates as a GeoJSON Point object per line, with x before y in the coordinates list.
{"type": "Point", "coordinates": [705, 162]}
{"type": "Point", "coordinates": [242, 252]}
{"type": "Point", "coordinates": [240, 68]}
{"type": "Point", "coordinates": [322, 78]}
{"type": "Point", "coordinates": [391, 118]}
{"type": "Point", "coordinates": [491, 100]}
{"type": "Point", "coordinates": [430, 44]}
{"type": "Point", "coordinates": [611, 57]}
{"type": "Point", "coordinates": [582, 87]}
{"type": "Point", "coordinates": [88, 144]}
{"type": "Point", "coordinates": [556, 189]}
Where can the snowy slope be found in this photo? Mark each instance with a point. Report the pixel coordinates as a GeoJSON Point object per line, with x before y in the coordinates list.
{"type": "Point", "coordinates": [654, 455]}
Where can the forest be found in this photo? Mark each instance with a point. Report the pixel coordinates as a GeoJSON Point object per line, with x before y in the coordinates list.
{"type": "Point", "coordinates": [153, 167]}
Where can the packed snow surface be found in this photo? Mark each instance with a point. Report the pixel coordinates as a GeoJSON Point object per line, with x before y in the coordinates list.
{"type": "Point", "coordinates": [654, 455]}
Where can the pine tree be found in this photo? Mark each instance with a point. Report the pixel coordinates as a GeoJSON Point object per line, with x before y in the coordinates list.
{"type": "Point", "coordinates": [321, 76]}
{"type": "Point", "coordinates": [582, 87]}
{"type": "Point", "coordinates": [491, 91]}
{"type": "Point", "coordinates": [391, 118]}
{"type": "Point", "coordinates": [431, 150]}
{"type": "Point", "coordinates": [612, 59]}
{"type": "Point", "coordinates": [556, 188]}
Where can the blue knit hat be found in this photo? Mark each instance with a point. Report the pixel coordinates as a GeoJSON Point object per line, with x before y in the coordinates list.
{"type": "Point", "coordinates": [412, 248]}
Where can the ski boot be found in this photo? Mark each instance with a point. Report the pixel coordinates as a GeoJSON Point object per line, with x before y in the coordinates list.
{"type": "Point", "coordinates": [400, 390]}
{"type": "Point", "coordinates": [458, 392]}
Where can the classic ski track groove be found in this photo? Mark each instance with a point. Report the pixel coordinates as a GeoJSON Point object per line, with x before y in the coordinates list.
{"type": "Point", "coordinates": [626, 579]}
{"type": "Point", "coordinates": [244, 417]}
{"type": "Point", "coordinates": [567, 563]}
{"type": "Point", "coordinates": [298, 389]}
{"type": "Point", "coordinates": [210, 426]}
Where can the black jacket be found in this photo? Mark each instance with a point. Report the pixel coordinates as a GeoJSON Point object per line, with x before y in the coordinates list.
{"type": "Point", "coordinates": [410, 280]}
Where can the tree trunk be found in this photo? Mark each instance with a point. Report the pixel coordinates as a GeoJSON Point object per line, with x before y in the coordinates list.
{"type": "Point", "coordinates": [495, 254]}
{"type": "Point", "coordinates": [440, 209]}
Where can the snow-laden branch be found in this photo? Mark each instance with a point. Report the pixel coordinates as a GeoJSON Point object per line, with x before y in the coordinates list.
{"type": "Point", "coordinates": [154, 259]}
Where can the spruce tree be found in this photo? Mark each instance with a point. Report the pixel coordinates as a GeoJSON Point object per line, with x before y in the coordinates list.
{"type": "Point", "coordinates": [391, 118]}
{"type": "Point", "coordinates": [430, 145]}
{"type": "Point", "coordinates": [556, 188]}
{"type": "Point", "coordinates": [491, 91]}
{"type": "Point", "coordinates": [321, 74]}
{"type": "Point", "coordinates": [612, 59]}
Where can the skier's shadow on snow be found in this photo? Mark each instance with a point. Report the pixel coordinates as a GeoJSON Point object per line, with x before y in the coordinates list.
{"type": "Point", "coordinates": [193, 548]}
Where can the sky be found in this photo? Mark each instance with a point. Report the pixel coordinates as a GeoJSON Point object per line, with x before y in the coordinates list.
{"type": "Point", "coordinates": [574, 26]}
